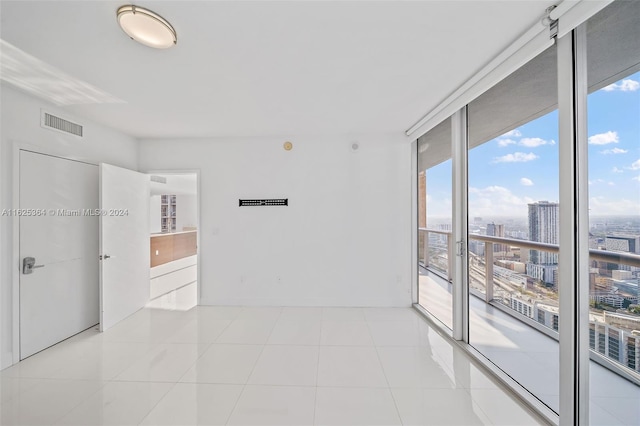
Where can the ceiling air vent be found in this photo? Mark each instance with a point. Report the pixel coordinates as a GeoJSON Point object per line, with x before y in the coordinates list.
{"type": "Point", "coordinates": [60, 124]}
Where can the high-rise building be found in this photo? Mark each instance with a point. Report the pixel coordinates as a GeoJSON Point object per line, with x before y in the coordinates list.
{"type": "Point", "coordinates": [543, 228]}
{"type": "Point", "coordinates": [422, 213]}
{"type": "Point", "coordinates": [627, 244]}
{"type": "Point", "coordinates": [442, 239]}
{"type": "Point", "coordinates": [494, 230]}
{"type": "Point", "coordinates": [422, 199]}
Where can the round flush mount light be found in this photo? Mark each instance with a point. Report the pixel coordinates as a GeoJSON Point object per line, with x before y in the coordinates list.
{"type": "Point", "coordinates": [146, 27]}
{"type": "Point", "coordinates": [287, 146]}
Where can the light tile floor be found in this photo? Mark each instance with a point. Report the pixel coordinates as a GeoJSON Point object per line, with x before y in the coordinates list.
{"type": "Point", "coordinates": [530, 357]}
{"type": "Point", "coordinates": [257, 366]}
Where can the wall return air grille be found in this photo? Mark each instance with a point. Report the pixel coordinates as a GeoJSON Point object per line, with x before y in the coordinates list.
{"type": "Point", "coordinates": [60, 124]}
{"type": "Point", "coordinates": [265, 202]}
{"type": "Point", "coordinates": [158, 179]}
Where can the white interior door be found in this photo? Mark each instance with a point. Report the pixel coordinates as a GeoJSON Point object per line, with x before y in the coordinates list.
{"type": "Point", "coordinates": [124, 243]}
{"type": "Point", "coordinates": [59, 297]}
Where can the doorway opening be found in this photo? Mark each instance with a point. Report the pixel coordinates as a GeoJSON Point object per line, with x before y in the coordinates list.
{"type": "Point", "coordinates": [173, 228]}
{"type": "Point", "coordinates": [82, 247]}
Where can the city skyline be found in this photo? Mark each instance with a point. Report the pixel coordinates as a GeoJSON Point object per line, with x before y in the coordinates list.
{"type": "Point", "coordinates": [521, 166]}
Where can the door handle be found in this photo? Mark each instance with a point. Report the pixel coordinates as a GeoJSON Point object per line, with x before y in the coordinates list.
{"type": "Point", "coordinates": [104, 257]}
{"type": "Point", "coordinates": [29, 264]}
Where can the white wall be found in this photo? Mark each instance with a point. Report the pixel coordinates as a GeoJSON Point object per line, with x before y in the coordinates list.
{"type": "Point", "coordinates": [344, 240]}
{"type": "Point", "coordinates": [20, 115]}
{"type": "Point", "coordinates": [186, 211]}
{"type": "Point", "coordinates": [155, 216]}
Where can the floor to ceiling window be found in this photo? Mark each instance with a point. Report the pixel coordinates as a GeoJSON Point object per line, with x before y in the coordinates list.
{"type": "Point", "coordinates": [530, 195]}
{"type": "Point", "coordinates": [513, 208]}
{"type": "Point", "coordinates": [613, 79]}
{"type": "Point", "coordinates": [434, 222]}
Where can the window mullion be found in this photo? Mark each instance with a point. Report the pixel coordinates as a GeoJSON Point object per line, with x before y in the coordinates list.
{"type": "Point", "coordinates": [574, 230]}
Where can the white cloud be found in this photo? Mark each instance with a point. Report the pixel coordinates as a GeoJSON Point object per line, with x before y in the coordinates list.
{"type": "Point", "coordinates": [635, 165]}
{"type": "Point", "coordinates": [604, 138]}
{"type": "Point", "coordinates": [438, 204]}
{"type": "Point", "coordinates": [516, 157]}
{"type": "Point", "coordinates": [616, 170]}
{"type": "Point", "coordinates": [494, 200]}
{"type": "Point", "coordinates": [535, 142]}
{"type": "Point", "coordinates": [636, 178]}
{"type": "Point", "coordinates": [514, 133]}
{"type": "Point", "coordinates": [603, 206]}
{"type": "Point", "coordinates": [612, 184]}
{"type": "Point", "coordinates": [629, 85]}
{"type": "Point", "coordinates": [614, 151]}
{"type": "Point", "coordinates": [626, 85]}
{"type": "Point", "coordinates": [505, 142]}
{"type": "Point", "coordinates": [526, 182]}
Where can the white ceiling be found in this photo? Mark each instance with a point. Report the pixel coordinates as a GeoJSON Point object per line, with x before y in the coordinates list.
{"type": "Point", "coordinates": [270, 68]}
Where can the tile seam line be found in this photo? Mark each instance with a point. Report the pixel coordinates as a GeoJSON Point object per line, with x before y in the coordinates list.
{"type": "Point", "coordinates": [244, 386]}
{"type": "Point", "coordinates": [395, 404]}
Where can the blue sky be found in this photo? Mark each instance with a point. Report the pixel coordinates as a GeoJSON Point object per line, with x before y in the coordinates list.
{"type": "Point", "coordinates": [522, 166]}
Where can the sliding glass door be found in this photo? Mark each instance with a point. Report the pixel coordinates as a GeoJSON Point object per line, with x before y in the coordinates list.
{"type": "Point", "coordinates": [513, 214]}
{"type": "Point", "coordinates": [434, 222]}
{"type": "Point", "coordinates": [613, 79]}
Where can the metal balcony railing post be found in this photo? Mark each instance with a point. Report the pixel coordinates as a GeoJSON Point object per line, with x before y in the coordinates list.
{"type": "Point", "coordinates": [450, 255]}
{"type": "Point", "coordinates": [426, 249]}
{"type": "Point", "coordinates": [488, 275]}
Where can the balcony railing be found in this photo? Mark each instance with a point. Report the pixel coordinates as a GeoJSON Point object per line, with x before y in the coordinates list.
{"type": "Point", "coordinates": [442, 268]}
{"type": "Point", "coordinates": [495, 290]}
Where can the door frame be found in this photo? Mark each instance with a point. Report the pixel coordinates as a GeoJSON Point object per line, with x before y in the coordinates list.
{"type": "Point", "coordinates": [15, 288]}
{"type": "Point", "coordinates": [198, 210]}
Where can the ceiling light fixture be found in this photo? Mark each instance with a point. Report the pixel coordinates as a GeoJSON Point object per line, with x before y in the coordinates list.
{"type": "Point", "coordinates": [146, 27]}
